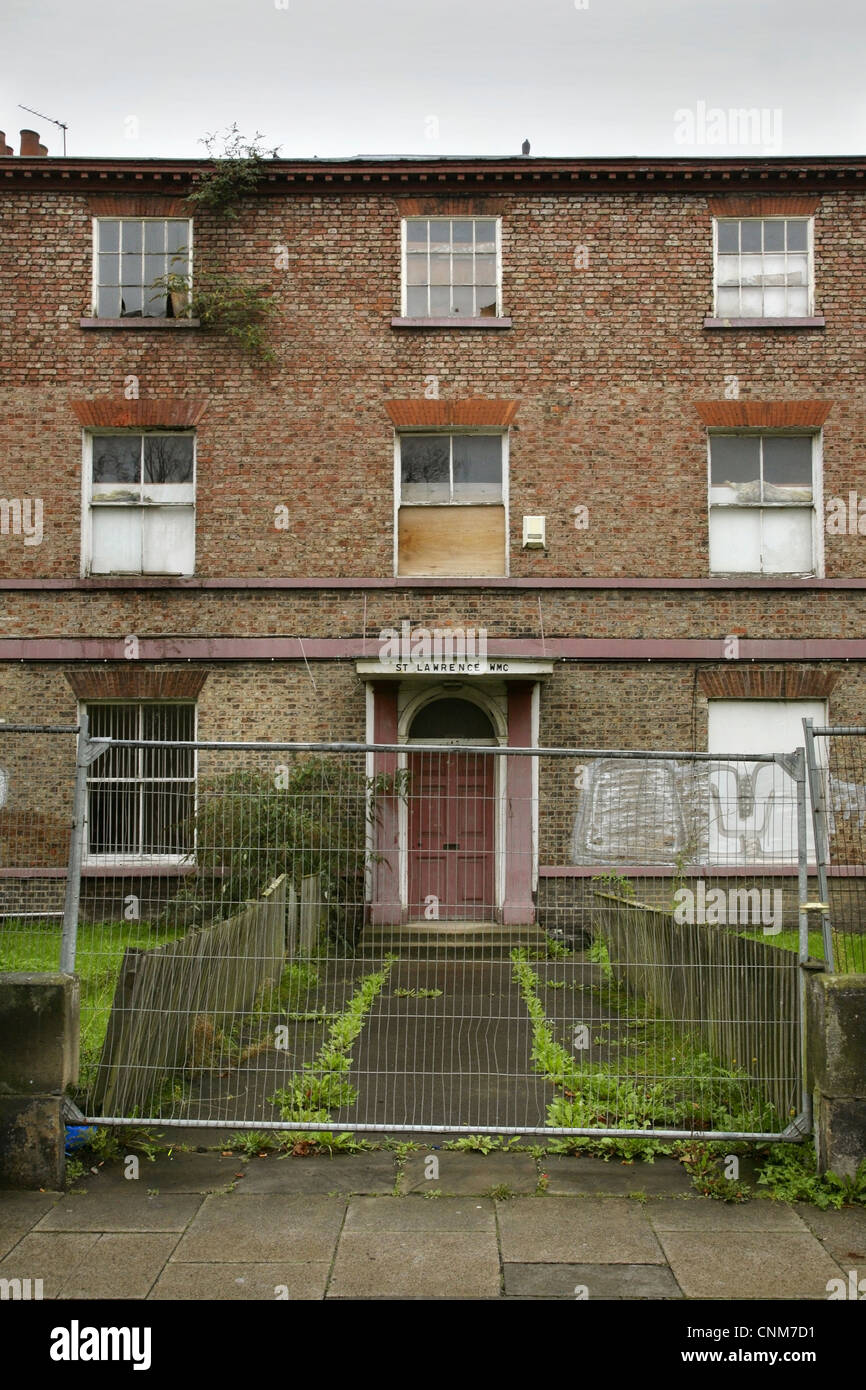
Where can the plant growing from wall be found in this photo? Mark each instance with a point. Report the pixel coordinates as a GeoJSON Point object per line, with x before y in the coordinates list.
{"type": "Point", "coordinates": [237, 171]}
{"type": "Point", "coordinates": [231, 305]}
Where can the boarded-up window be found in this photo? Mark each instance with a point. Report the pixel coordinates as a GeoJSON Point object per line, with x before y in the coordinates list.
{"type": "Point", "coordinates": [452, 516]}
{"type": "Point", "coordinates": [451, 541]}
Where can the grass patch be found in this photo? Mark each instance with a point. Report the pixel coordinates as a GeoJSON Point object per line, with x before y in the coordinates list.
{"type": "Point", "coordinates": [849, 947]}
{"type": "Point", "coordinates": [99, 955]}
{"type": "Point", "coordinates": [323, 1084]}
{"type": "Point", "coordinates": [646, 1091]}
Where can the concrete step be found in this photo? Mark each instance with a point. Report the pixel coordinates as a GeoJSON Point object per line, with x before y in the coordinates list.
{"type": "Point", "coordinates": [450, 935]}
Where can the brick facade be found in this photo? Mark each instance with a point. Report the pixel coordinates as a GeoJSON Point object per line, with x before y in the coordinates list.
{"type": "Point", "coordinates": [607, 380]}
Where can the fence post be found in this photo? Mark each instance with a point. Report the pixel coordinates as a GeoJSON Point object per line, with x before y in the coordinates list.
{"type": "Point", "coordinates": [803, 931]}
{"type": "Point", "coordinates": [311, 913]}
{"type": "Point", "coordinates": [819, 822]}
{"type": "Point", "coordinates": [83, 758]}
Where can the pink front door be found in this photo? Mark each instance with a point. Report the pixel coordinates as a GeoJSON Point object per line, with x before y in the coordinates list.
{"type": "Point", "coordinates": [451, 836]}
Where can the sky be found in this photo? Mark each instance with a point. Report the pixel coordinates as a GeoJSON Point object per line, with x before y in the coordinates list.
{"type": "Point", "coordinates": [438, 77]}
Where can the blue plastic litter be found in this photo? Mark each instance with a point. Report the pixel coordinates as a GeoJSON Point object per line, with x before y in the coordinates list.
{"type": "Point", "coordinates": [78, 1136]}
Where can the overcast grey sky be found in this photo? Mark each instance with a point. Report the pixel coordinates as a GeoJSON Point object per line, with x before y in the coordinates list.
{"type": "Point", "coordinates": [342, 77]}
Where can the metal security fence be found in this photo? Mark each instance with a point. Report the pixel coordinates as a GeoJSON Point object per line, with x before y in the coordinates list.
{"type": "Point", "coordinates": [836, 760]}
{"type": "Point", "coordinates": [440, 937]}
{"type": "Point", "coordinates": [37, 767]}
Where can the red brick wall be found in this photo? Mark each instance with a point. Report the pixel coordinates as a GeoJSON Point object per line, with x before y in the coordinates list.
{"type": "Point", "coordinates": [606, 363]}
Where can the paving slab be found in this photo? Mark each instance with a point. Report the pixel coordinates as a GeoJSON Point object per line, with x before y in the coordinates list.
{"type": "Point", "coordinates": [51, 1257]}
{"type": "Point", "coordinates": [228, 1282]}
{"type": "Point", "coordinates": [842, 1233]}
{"type": "Point", "coordinates": [180, 1172]}
{"type": "Point", "coordinates": [458, 1173]}
{"type": "Point", "coordinates": [411, 1215]}
{"type": "Point", "coordinates": [120, 1265]}
{"type": "Point", "coordinates": [419, 1264]}
{"type": "Point", "coordinates": [115, 1208]}
{"type": "Point", "coordinates": [579, 1282]}
{"type": "Point", "coordinates": [570, 1230]}
{"type": "Point", "coordinates": [746, 1264]}
{"type": "Point", "coordinates": [25, 1208]}
{"type": "Point", "coordinates": [347, 1173]}
{"type": "Point", "coordinates": [19, 1212]}
{"type": "Point", "coordinates": [263, 1229]}
{"type": "Point", "coordinates": [595, 1177]}
{"type": "Point", "coordinates": [705, 1214]}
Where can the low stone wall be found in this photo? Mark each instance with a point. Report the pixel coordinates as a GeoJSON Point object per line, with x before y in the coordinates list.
{"type": "Point", "coordinates": [836, 1053]}
{"type": "Point", "coordinates": [39, 1017]}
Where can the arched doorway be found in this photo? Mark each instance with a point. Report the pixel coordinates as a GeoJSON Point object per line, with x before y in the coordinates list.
{"type": "Point", "coordinates": [452, 814]}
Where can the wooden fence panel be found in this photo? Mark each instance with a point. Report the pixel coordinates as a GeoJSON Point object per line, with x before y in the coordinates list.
{"type": "Point", "coordinates": [739, 996]}
{"type": "Point", "coordinates": [213, 973]}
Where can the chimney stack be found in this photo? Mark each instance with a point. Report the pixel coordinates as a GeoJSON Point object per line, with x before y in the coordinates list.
{"type": "Point", "coordinates": [5, 150]}
{"type": "Point", "coordinates": [30, 146]}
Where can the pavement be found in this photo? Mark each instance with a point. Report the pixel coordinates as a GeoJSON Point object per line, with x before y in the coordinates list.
{"type": "Point", "coordinates": [433, 1224]}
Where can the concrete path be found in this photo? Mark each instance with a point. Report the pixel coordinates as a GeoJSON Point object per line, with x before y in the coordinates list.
{"type": "Point", "coordinates": [435, 1225]}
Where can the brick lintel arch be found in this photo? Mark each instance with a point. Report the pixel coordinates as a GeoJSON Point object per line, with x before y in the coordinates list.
{"type": "Point", "coordinates": [808, 415]}
{"type": "Point", "coordinates": [130, 683]}
{"type": "Point", "coordinates": [477, 411]}
{"type": "Point", "coordinates": [751, 683]}
{"type": "Point", "coordinates": [106, 412]}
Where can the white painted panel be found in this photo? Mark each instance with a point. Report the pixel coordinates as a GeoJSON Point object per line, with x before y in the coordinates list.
{"type": "Point", "coordinates": [168, 541]}
{"type": "Point", "coordinates": [753, 816]}
{"type": "Point", "coordinates": [735, 540]}
{"type": "Point", "coordinates": [115, 540]}
{"type": "Point", "coordinates": [786, 543]}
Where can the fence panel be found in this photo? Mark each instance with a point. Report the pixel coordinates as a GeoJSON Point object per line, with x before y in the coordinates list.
{"type": "Point", "coordinates": [471, 939]}
{"type": "Point", "coordinates": [37, 773]}
{"type": "Point", "coordinates": [837, 784]}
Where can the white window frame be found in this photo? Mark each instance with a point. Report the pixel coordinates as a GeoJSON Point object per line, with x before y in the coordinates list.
{"type": "Point", "coordinates": [87, 495]}
{"type": "Point", "coordinates": [133, 858]}
{"type": "Point", "coordinates": [504, 502]}
{"type": "Point", "coordinates": [810, 258]}
{"type": "Point", "coordinates": [95, 267]}
{"type": "Point", "coordinates": [404, 258]}
{"type": "Point", "coordinates": [816, 505]}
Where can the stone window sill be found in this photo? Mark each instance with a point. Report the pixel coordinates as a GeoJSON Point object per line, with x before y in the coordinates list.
{"type": "Point", "coordinates": [452, 322]}
{"type": "Point", "coordinates": [139, 323]}
{"type": "Point", "coordinates": [817, 321]}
